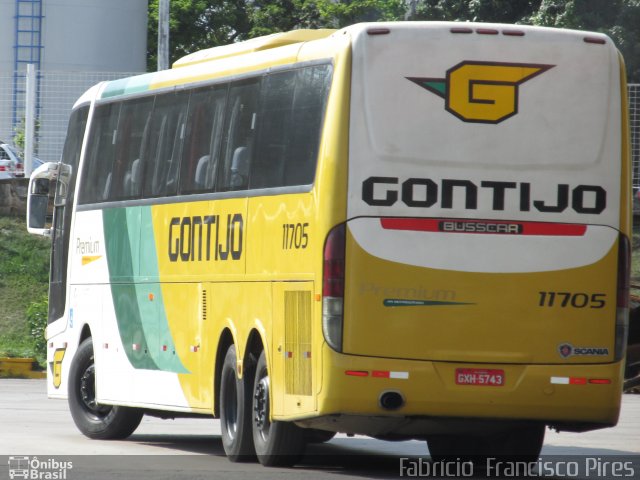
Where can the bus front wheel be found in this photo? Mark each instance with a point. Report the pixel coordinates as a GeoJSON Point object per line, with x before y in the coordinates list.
{"type": "Point", "coordinates": [102, 422]}
{"type": "Point", "coordinates": [235, 410]}
{"type": "Point", "coordinates": [276, 443]}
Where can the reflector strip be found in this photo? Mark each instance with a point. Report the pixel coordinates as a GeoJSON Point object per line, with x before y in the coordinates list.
{"type": "Point", "coordinates": [194, 348]}
{"type": "Point", "coordinates": [307, 355]}
{"type": "Point", "coordinates": [136, 347]}
{"type": "Point", "coordinates": [503, 227]}
{"type": "Point", "coordinates": [560, 380]}
{"type": "Point", "coordinates": [569, 380]}
{"type": "Point", "coordinates": [357, 373]}
{"type": "Point", "coordinates": [600, 381]}
{"type": "Point", "coordinates": [387, 374]}
{"type": "Point", "coordinates": [288, 354]}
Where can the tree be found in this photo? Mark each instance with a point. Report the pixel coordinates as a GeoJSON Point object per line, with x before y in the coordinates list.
{"type": "Point", "coordinates": [197, 24]}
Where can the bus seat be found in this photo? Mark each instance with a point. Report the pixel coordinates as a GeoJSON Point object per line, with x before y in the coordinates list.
{"type": "Point", "coordinates": [201, 171]}
{"type": "Point", "coordinates": [239, 169]}
{"type": "Point", "coordinates": [134, 187]}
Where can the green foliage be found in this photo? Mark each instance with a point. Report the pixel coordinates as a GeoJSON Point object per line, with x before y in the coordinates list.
{"type": "Point", "coordinates": [202, 24]}
{"type": "Point", "coordinates": [37, 321]}
{"type": "Point", "coordinates": [24, 272]}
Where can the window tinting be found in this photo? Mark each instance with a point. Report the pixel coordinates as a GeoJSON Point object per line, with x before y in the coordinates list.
{"type": "Point", "coordinates": [96, 176]}
{"type": "Point", "coordinates": [239, 132]}
{"type": "Point", "coordinates": [260, 132]}
{"type": "Point", "coordinates": [202, 139]}
{"type": "Point", "coordinates": [166, 134]}
{"type": "Point", "coordinates": [291, 119]}
{"type": "Point", "coordinates": [133, 126]}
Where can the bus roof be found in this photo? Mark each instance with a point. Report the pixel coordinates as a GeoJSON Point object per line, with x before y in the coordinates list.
{"type": "Point", "coordinates": [253, 45]}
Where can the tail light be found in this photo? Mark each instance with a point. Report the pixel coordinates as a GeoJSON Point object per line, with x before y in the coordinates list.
{"type": "Point", "coordinates": [333, 287]}
{"type": "Point", "coordinates": [3, 168]}
{"type": "Point", "coordinates": [622, 311]}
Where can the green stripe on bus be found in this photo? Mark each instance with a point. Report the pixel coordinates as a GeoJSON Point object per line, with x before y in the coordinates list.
{"type": "Point", "coordinates": [126, 86]}
{"type": "Point", "coordinates": [142, 322]}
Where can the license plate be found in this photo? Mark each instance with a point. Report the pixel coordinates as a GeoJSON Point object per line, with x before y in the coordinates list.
{"type": "Point", "coordinates": [480, 376]}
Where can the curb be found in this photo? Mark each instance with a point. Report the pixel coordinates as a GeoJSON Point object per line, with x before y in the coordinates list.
{"type": "Point", "coordinates": [19, 368]}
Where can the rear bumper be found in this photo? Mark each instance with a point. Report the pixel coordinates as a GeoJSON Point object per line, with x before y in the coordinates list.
{"type": "Point", "coordinates": [432, 397]}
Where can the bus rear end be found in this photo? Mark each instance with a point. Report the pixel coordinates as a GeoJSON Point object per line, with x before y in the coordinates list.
{"type": "Point", "coordinates": [486, 245]}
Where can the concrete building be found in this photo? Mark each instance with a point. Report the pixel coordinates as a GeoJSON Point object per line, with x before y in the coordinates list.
{"type": "Point", "coordinates": [73, 41]}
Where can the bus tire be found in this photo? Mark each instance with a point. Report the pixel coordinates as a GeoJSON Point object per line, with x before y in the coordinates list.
{"type": "Point", "coordinates": [235, 410]}
{"type": "Point", "coordinates": [522, 444]}
{"type": "Point", "coordinates": [101, 422]}
{"type": "Point", "coordinates": [276, 443]}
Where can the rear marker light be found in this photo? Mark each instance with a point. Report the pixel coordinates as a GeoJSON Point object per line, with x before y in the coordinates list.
{"type": "Point", "coordinates": [386, 374]}
{"type": "Point", "coordinates": [579, 381]}
{"type": "Point", "coordinates": [135, 347]}
{"type": "Point", "coordinates": [596, 40]}
{"type": "Point", "coordinates": [600, 381]}
{"type": "Point", "coordinates": [357, 373]}
{"type": "Point", "coordinates": [194, 348]}
{"type": "Point", "coordinates": [461, 30]}
{"type": "Point", "coordinates": [513, 33]}
{"type": "Point", "coordinates": [378, 31]}
{"type": "Point", "coordinates": [487, 31]}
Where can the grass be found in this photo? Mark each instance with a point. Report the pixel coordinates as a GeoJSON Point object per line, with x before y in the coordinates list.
{"type": "Point", "coordinates": [24, 273]}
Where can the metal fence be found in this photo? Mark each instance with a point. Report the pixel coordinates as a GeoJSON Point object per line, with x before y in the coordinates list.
{"type": "Point", "coordinates": [58, 91]}
{"type": "Point", "coordinates": [634, 121]}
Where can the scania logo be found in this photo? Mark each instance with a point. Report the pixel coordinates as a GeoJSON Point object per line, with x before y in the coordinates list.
{"type": "Point", "coordinates": [567, 350]}
{"type": "Point", "coordinates": [482, 92]}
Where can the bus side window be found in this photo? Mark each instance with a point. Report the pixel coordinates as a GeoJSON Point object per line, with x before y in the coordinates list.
{"type": "Point", "coordinates": [272, 145]}
{"type": "Point", "coordinates": [96, 175]}
{"type": "Point", "coordinates": [312, 90]}
{"type": "Point", "coordinates": [202, 139]}
{"type": "Point", "coordinates": [132, 127]}
{"type": "Point", "coordinates": [164, 147]}
{"type": "Point", "coordinates": [239, 130]}
{"type": "Point", "coordinates": [291, 114]}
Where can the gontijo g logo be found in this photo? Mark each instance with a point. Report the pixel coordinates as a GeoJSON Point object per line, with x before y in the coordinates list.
{"type": "Point", "coordinates": [482, 92]}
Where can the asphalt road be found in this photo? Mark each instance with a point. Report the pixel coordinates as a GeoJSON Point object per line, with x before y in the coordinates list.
{"type": "Point", "coordinates": [33, 426]}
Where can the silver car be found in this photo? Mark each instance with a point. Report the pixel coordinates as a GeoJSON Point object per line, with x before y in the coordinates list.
{"type": "Point", "coordinates": [11, 162]}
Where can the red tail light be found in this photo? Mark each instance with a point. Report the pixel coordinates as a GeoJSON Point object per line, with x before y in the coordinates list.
{"type": "Point", "coordinates": [3, 168]}
{"type": "Point", "coordinates": [333, 287]}
{"type": "Point", "coordinates": [333, 274]}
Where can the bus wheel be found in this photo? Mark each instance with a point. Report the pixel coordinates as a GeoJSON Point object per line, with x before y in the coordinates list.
{"type": "Point", "coordinates": [235, 410]}
{"type": "Point", "coordinates": [521, 444]}
{"type": "Point", "coordinates": [276, 443]}
{"type": "Point", "coordinates": [102, 422]}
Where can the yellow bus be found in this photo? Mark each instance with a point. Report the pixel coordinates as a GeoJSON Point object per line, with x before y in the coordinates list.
{"type": "Point", "coordinates": [401, 230]}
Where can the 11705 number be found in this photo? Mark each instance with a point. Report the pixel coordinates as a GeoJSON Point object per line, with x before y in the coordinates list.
{"type": "Point", "coordinates": [573, 300]}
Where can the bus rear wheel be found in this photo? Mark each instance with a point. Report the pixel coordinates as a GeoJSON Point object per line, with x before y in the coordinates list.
{"type": "Point", "coordinates": [102, 422]}
{"type": "Point", "coordinates": [235, 410]}
{"type": "Point", "coordinates": [521, 444]}
{"type": "Point", "coordinates": [276, 443]}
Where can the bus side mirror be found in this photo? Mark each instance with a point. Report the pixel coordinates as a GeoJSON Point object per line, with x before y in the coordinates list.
{"type": "Point", "coordinates": [38, 198]}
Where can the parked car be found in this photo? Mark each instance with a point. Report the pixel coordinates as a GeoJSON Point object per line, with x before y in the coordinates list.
{"type": "Point", "coordinates": [12, 163]}
{"type": "Point", "coordinates": [9, 161]}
